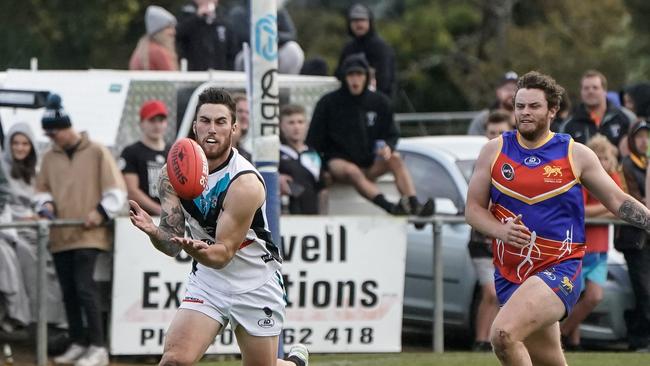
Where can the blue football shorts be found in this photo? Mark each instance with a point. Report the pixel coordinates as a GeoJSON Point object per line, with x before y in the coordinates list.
{"type": "Point", "coordinates": [563, 278]}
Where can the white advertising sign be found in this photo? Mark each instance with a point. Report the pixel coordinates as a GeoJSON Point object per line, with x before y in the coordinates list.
{"type": "Point", "coordinates": [344, 278]}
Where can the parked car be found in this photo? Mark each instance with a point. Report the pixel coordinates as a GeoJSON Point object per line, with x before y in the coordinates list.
{"type": "Point", "coordinates": [441, 167]}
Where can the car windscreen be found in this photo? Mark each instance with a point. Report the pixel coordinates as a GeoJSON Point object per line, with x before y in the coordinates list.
{"type": "Point", "coordinates": [432, 179]}
{"type": "Point", "coordinates": [466, 168]}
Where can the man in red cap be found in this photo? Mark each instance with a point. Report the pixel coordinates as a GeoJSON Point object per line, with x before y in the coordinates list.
{"type": "Point", "coordinates": [141, 162]}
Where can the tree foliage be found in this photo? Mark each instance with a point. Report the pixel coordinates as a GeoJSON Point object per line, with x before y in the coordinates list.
{"type": "Point", "coordinates": [449, 52]}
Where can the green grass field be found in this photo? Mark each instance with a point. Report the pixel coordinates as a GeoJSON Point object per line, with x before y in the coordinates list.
{"type": "Point", "coordinates": [462, 359]}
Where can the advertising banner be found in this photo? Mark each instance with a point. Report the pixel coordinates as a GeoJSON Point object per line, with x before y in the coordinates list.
{"type": "Point", "coordinates": [344, 278]}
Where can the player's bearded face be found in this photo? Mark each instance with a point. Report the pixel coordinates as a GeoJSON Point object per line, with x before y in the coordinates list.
{"type": "Point", "coordinates": [532, 114]}
{"type": "Point", "coordinates": [214, 129]}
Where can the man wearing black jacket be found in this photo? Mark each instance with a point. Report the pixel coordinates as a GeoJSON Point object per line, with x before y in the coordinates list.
{"type": "Point", "coordinates": [353, 129]}
{"type": "Point", "coordinates": [204, 38]}
{"type": "Point", "coordinates": [597, 115]}
{"type": "Point", "coordinates": [365, 40]}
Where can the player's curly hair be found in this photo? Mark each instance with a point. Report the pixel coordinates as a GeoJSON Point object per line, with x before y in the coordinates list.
{"type": "Point", "coordinates": [214, 95]}
{"type": "Point", "coordinates": [536, 80]}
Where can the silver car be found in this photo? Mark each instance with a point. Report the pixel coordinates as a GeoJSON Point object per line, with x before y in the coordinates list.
{"type": "Point", "coordinates": [441, 167]}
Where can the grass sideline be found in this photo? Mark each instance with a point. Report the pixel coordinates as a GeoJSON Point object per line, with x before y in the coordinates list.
{"type": "Point", "coordinates": [461, 359]}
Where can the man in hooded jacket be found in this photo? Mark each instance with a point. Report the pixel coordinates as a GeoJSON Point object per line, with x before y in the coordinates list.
{"type": "Point", "coordinates": [354, 131]}
{"type": "Point", "coordinates": [365, 40]}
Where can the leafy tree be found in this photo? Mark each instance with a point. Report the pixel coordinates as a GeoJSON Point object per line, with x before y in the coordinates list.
{"type": "Point", "coordinates": [72, 34]}
{"type": "Point", "coordinates": [449, 52]}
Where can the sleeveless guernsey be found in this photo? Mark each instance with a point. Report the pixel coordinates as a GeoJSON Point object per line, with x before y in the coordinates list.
{"type": "Point", "coordinates": [257, 258]}
{"type": "Point", "coordinates": [540, 184]}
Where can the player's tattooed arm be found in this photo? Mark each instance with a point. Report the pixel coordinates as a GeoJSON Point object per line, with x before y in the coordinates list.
{"type": "Point", "coordinates": [635, 213]}
{"type": "Point", "coordinates": [172, 221]}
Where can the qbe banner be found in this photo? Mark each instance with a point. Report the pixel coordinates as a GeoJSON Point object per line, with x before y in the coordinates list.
{"type": "Point", "coordinates": [344, 277]}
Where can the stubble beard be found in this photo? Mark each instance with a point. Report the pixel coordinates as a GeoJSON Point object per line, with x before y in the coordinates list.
{"type": "Point", "coordinates": [539, 131]}
{"type": "Point", "coordinates": [222, 149]}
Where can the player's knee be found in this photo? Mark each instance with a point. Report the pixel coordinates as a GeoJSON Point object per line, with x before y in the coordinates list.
{"type": "Point", "coordinates": [175, 359]}
{"type": "Point", "coordinates": [501, 339]}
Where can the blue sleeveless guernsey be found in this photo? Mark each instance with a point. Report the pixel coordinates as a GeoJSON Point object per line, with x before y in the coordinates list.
{"type": "Point", "coordinates": [541, 185]}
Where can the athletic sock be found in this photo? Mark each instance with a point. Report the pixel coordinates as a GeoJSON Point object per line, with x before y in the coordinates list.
{"type": "Point", "coordinates": [296, 360]}
{"type": "Point", "coordinates": [381, 201]}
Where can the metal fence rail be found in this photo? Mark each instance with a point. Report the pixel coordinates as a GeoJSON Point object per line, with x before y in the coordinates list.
{"type": "Point", "coordinates": [437, 222]}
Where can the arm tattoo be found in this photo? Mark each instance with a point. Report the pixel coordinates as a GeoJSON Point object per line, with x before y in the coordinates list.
{"type": "Point", "coordinates": [172, 220]}
{"type": "Point", "coordinates": [634, 213]}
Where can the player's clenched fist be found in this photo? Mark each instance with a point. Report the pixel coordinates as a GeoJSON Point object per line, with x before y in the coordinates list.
{"type": "Point", "coordinates": [514, 232]}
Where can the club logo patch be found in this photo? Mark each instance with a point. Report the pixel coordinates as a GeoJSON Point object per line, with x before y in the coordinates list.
{"type": "Point", "coordinates": [552, 174]}
{"type": "Point", "coordinates": [552, 171]}
{"type": "Point", "coordinates": [507, 171]}
{"type": "Point", "coordinates": [532, 161]}
{"type": "Point", "coordinates": [566, 285]}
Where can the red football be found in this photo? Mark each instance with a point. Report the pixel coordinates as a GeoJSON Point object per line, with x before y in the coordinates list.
{"type": "Point", "coordinates": [187, 168]}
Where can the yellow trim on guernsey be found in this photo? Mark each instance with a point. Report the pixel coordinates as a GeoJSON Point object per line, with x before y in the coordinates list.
{"type": "Point", "coordinates": [540, 144]}
{"type": "Point", "coordinates": [496, 156]}
{"type": "Point", "coordinates": [570, 156]}
{"type": "Point", "coordinates": [536, 199]}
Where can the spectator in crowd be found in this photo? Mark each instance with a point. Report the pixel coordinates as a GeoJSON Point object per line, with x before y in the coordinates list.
{"type": "Point", "coordinates": [497, 123]}
{"type": "Point", "coordinates": [156, 50]}
{"type": "Point", "coordinates": [480, 250]}
{"type": "Point", "coordinates": [290, 55]}
{"type": "Point", "coordinates": [505, 92]}
{"type": "Point", "coordinates": [562, 113]}
{"type": "Point", "coordinates": [594, 262]}
{"type": "Point", "coordinates": [78, 179]}
{"type": "Point", "coordinates": [633, 242]}
{"type": "Point", "coordinates": [14, 302]}
{"type": "Point", "coordinates": [205, 38]}
{"type": "Point", "coordinates": [19, 166]}
{"type": "Point", "coordinates": [365, 40]}
{"type": "Point", "coordinates": [636, 98]}
{"type": "Point", "coordinates": [596, 114]}
{"type": "Point", "coordinates": [354, 131]}
{"type": "Point", "coordinates": [300, 166]}
{"type": "Point", "coordinates": [239, 140]}
{"type": "Point", "coordinates": [316, 66]}
{"type": "Point", "coordinates": [142, 161]}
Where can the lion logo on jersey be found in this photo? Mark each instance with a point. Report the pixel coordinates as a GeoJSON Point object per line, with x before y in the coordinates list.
{"type": "Point", "coordinates": [551, 170]}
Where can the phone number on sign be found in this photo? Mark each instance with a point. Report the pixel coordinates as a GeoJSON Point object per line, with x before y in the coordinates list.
{"type": "Point", "coordinates": [345, 335]}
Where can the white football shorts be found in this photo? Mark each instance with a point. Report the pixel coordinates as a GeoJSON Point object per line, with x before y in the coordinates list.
{"type": "Point", "coordinates": [260, 311]}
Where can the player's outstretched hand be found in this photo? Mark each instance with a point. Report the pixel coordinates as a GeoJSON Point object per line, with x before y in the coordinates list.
{"type": "Point", "coordinates": [190, 246]}
{"type": "Point", "coordinates": [141, 219]}
{"type": "Point", "coordinates": [515, 232]}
